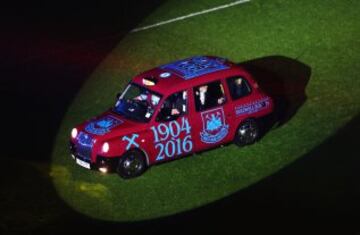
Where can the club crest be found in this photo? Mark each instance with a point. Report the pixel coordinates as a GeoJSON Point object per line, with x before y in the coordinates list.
{"type": "Point", "coordinates": [214, 127]}
{"type": "Point", "coordinates": [103, 125]}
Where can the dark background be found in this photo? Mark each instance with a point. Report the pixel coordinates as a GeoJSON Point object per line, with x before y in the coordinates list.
{"type": "Point", "coordinates": [48, 51]}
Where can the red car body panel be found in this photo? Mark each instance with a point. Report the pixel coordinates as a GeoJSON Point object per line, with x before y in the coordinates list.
{"type": "Point", "coordinates": [163, 141]}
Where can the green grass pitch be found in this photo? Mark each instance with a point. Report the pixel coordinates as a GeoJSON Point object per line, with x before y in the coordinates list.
{"type": "Point", "coordinates": [323, 34]}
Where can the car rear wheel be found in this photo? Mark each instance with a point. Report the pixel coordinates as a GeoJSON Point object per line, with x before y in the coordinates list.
{"type": "Point", "coordinates": [131, 164]}
{"type": "Point", "coordinates": [247, 133]}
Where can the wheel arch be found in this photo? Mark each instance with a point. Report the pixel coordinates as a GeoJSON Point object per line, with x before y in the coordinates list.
{"type": "Point", "coordinates": [142, 151]}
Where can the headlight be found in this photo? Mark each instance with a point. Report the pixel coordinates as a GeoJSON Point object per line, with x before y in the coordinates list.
{"type": "Point", "coordinates": [103, 169]}
{"type": "Point", "coordinates": [105, 147]}
{"type": "Point", "coordinates": [74, 133]}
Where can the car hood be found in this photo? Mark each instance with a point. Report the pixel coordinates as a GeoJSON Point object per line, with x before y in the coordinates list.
{"type": "Point", "coordinates": [109, 124]}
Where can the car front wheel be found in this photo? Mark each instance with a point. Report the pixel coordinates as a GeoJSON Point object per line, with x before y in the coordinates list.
{"type": "Point", "coordinates": [131, 164]}
{"type": "Point", "coordinates": [247, 133]}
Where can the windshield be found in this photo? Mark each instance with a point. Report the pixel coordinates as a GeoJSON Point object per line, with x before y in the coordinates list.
{"type": "Point", "coordinates": [137, 103]}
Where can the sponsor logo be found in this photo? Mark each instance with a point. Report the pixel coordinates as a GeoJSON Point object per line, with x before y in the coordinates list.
{"type": "Point", "coordinates": [252, 107]}
{"type": "Point", "coordinates": [165, 75]}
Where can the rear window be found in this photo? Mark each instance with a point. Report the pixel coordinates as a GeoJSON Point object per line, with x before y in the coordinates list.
{"type": "Point", "coordinates": [238, 87]}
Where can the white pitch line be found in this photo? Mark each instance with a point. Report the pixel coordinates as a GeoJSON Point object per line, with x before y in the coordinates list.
{"type": "Point", "coordinates": [190, 15]}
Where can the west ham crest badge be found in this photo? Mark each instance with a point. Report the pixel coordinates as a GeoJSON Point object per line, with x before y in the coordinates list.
{"type": "Point", "coordinates": [214, 127]}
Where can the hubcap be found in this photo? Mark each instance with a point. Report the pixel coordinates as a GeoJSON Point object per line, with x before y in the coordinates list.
{"type": "Point", "coordinates": [132, 165]}
{"type": "Point", "coordinates": [248, 132]}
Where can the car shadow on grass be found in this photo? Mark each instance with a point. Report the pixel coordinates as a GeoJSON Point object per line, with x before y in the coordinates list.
{"type": "Point", "coordinates": [285, 80]}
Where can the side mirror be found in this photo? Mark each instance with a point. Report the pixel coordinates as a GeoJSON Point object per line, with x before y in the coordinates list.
{"type": "Point", "coordinates": [118, 95]}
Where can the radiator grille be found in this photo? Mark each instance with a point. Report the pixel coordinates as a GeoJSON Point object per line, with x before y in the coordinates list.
{"type": "Point", "coordinates": [84, 145]}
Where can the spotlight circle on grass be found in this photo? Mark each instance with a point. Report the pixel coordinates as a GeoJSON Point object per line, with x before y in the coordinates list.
{"type": "Point", "coordinates": [195, 181]}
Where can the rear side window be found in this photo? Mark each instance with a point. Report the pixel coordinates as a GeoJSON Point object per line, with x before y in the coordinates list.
{"type": "Point", "coordinates": [238, 87]}
{"type": "Point", "coordinates": [209, 95]}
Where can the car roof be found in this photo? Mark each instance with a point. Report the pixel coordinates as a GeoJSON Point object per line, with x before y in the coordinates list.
{"type": "Point", "coordinates": [185, 73]}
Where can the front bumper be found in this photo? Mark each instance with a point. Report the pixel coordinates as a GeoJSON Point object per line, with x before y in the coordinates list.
{"type": "Point", "coordinates": [109, 164]}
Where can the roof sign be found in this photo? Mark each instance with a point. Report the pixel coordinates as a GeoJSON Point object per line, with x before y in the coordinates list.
{"type": "Point", "coordinates": [195, 66]}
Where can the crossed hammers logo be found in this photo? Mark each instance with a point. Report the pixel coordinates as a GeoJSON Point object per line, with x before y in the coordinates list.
{"type": "Point", "coordinates": [131, 141]}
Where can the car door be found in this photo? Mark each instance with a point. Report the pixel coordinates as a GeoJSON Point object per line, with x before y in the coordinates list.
{"type": "Point", "coordinates": [211, 115]}
{"type": "Point", "coordinates": [171, 131]}
{"type": "Point", "coordinates": [240, 91]}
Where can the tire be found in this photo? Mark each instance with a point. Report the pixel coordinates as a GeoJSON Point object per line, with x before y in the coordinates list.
{"type": "Point", "coordinates": [131, 164]}
{"type": "Point", "coordinates": [247, 133]}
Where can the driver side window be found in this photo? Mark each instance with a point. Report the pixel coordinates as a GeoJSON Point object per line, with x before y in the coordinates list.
{"type": "Point", "coordinates": [173, 107]}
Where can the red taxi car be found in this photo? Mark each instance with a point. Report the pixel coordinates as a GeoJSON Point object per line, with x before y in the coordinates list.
{"type": "Point", "coordinates": [172, 111]}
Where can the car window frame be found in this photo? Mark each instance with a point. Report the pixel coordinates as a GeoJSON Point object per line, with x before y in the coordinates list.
{"type": "Point", "coordinates": [227, 81]}
{"type": "Point", "coordinates": [161, 96]}
{"type": "Point", "coordinates": [220, 80]}
{"type": "Point", "coordinates": [163, 101]}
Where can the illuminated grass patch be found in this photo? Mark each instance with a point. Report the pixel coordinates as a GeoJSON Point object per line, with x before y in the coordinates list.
{"type": "Point", "coordinates": [318, 34]}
